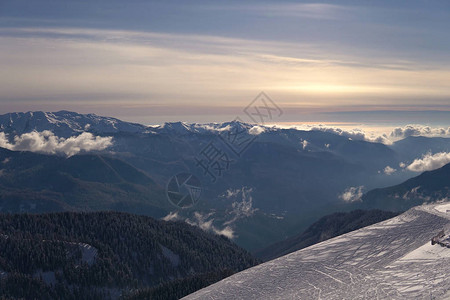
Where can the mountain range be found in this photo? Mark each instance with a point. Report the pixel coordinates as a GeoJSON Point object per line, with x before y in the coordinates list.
{"type": "Point", "coordinates": [273, 184]}
{"type": "Point", "coordinates": [427, 187]}
{"type": "Point", "coordinates": [270, 190]}
{"type": "Point", "coordinates": [33, 182]}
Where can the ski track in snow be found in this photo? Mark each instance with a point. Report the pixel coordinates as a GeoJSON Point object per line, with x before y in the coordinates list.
{"type": "Point", "coordinates": [393, 259]}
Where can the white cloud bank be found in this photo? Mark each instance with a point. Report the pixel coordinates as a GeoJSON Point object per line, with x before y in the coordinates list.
{"type": "Point", "coordinates": [430, 162]}
{"type": "Point", "coordinates": [352, 194]}
{"type": "Point", "coordinates": [385, 138]}
{"type": "Point", "coordinates": [354, 134]}
{"type": "Point", "coordinates": [47, 142]}
{"type": "Point", "coordinates": [418, 130]}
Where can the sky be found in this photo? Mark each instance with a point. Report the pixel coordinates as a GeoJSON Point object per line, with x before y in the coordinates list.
{"type": "Point", "coordinates": [382, 63]}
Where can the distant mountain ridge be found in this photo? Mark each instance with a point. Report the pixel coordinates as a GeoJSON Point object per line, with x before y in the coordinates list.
{"type": "Point", "coordinates": [414, 147]}
{"type": "Point", "coordinates": [64, 123]}
{"type": "Point", "coordinates": [284, 170]}
{"type": "Point", "coordinates": [428, 187]}
{"type": "Point", "coordinates": [32, 182]}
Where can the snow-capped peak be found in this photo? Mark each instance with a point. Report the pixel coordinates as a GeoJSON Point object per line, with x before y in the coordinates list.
{"type": "Point", "coordinates": [65, 123]}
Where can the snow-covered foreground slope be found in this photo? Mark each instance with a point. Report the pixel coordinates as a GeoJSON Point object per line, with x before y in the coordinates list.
{"type": "Point", "coordinates": [393, 259]}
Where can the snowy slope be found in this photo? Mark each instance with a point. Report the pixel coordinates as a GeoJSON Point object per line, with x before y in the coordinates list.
{"type": "Point", "coordinates": [64, 123]}
{"type": "Point", "coordinates": [393, 259]}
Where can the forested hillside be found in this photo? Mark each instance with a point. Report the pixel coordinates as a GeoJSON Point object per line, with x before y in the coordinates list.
{"type": "Point", "coordinates": [39, 183]}
{"type": "Point", "coordinates": [109, 255]}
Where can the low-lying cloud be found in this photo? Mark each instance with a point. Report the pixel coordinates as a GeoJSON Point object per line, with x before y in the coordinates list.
{"type": "Point", "coordinates": [47, 142]}
{"type": "Point", "coordinates": [384, 138]}
{"type": "Point", "coordinates": [242, 205]}
{"type": "Point", "coordinates": [418, 130]}
{"type": "Point", "coordinates": [304, 144]}
{"type": "Point", "coordinates": [203, 221]}
{"type": "Point", "coordinates": [257, 130]}
{"type": "Point", "coordinates": [354, 134]}
{"type": "Point", "coordinates": [352, 194]}
{"type": "Point", "coordinates": [430, 162]}
{"type": "Point", "coordinates": [389, 170]}
{"type": "Point", "coordinates": [172, 216]}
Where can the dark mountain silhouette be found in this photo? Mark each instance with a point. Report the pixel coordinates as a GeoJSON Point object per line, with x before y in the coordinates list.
{"type": "Point", "coordinates": [32, 182]}
{"type": "Point", "coordinates": [413, 147]}
{"type": "Point", "coordinates": [427, 187]}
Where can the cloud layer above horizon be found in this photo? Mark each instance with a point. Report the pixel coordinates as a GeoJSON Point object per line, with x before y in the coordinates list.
{"type": "Point", "coordinates": [397, 133]}
{"type": "Point", "coordinates": [174, 59]}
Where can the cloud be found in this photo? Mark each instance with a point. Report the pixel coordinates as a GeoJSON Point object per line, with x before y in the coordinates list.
{"type": "Point", "coordinates": [227, 232]}
{"type": "Point", "coordinates": [425, 195]}
{"type": "Point", "coordinates": [389, 170]}
{"type": "Point", "coordinates": [242, 206]}
{"type": "Point", "coordinates": [172, 216]}
{"type": "Point", "coordinates": [418, 130]}
{"type": "Point", "coordinates": [203, 221]}
{"type": "Point", "coordinates": [354, 134]}
{"type": "Point", "coordinates": [312, 10]}
{"type": "Point", "coordinates": [47, 142]}
{"type": "Point", "coordinates": [430, 162]}
{"type": "Point", "coordinates": [415, 193]}
{"type": "Point", "coordinates": [321, 11]}
{"type": "Point", "coordinates": [304, 144]}
{"type": "Point", "coordinates": [231, 193]}
{"type": "Point", "coordinates": [352, 194]}
{"type": "Point", "coordinates": [402, 165]}
{"type": "Point", "coordinates": [257, 130]}
{"type": "Point", "coordinates": [149, 64]}
{"type": "Point", "coordinates": [397, 133]}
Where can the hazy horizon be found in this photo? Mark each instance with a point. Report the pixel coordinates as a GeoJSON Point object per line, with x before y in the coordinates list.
{"type": "Point", "coordinates": [152, 62]}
